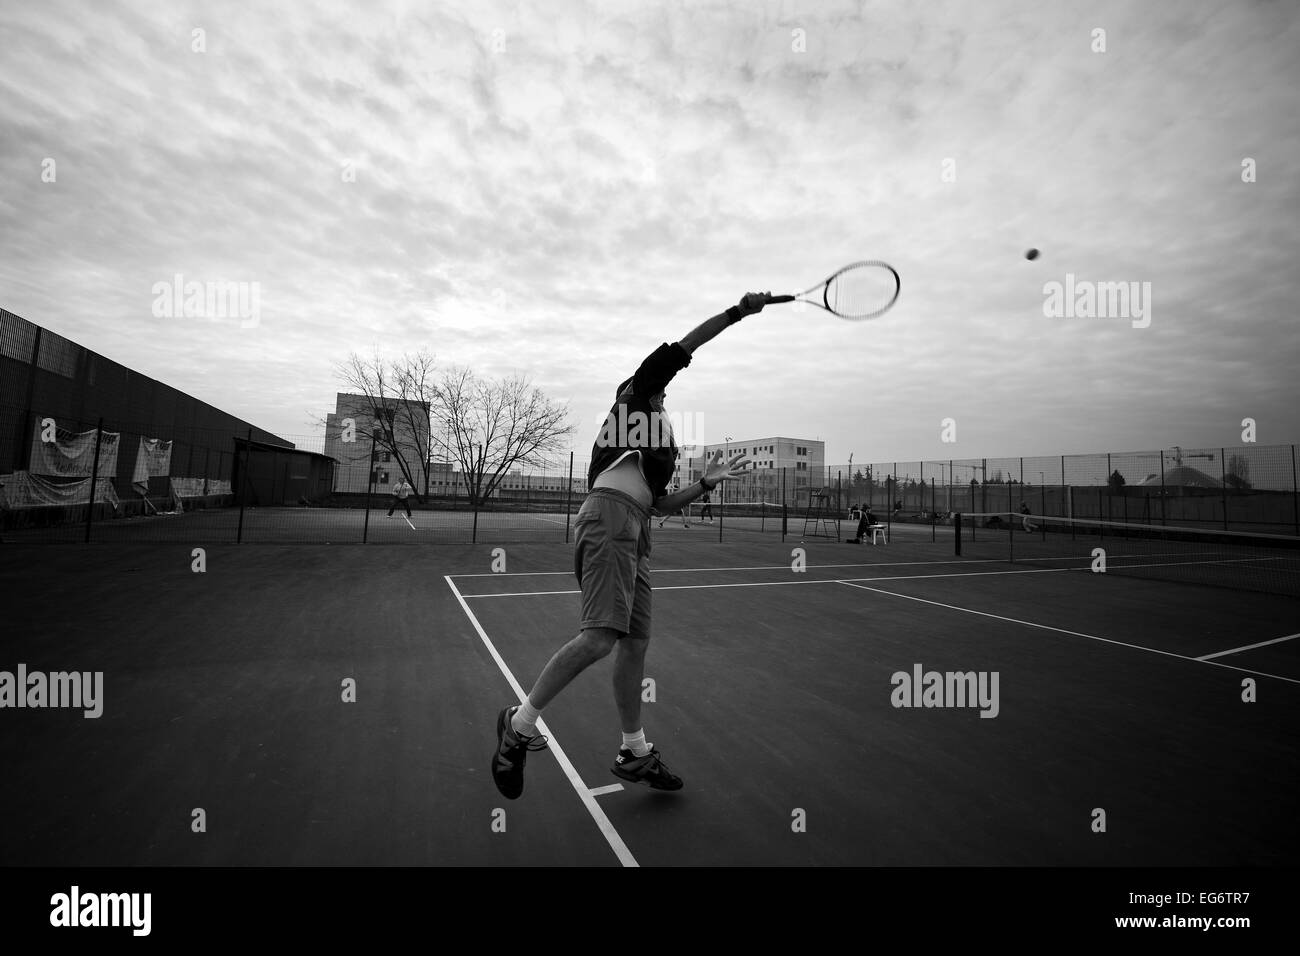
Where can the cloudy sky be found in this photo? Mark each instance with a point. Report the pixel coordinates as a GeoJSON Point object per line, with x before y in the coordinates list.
{"type": "Point", "coordinates": [556, 188]}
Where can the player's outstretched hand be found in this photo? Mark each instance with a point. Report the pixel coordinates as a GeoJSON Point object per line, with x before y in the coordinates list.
{"type": "Point", "coordinates": [753, 302]}
{"type": "Point", "coordinates": [716, 472]}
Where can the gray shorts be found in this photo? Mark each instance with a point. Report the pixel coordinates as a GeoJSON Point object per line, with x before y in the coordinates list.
{"type": "Point", "coordinates": [612, 561]}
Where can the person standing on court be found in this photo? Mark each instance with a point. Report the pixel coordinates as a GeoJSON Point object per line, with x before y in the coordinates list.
{"type": "Point", "coordinates": [707, 510]}
{"type": "Point", "coordinates": [684, 511]}
{"type": "Point", "coordinates": [401, 491]}
{"type": "Point", "coordinates": [1024, 520]}
{"type": "Point", "coordinates": [632, 463]}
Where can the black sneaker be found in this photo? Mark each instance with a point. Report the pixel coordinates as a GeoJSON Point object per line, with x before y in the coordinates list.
{"type": "Point", "coordinates": [649, 770]}
{"type": "Point", "coordinates": [512, 751]}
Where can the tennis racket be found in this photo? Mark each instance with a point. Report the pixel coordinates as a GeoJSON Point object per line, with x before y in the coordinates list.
{"type": "Point", "coordinates": [861, 290]}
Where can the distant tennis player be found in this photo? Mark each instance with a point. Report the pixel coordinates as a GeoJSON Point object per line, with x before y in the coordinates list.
{"type": "Point", "coordinates": [684, 512]}
{"type": "Point", "coordinates": [401, 491]}
{"type": "Point", "coordinates": [707, 510]}
{"type": "Point", "coordinates": [1024, 520]}
{"type": "Point", "coordinates": [631, 465]}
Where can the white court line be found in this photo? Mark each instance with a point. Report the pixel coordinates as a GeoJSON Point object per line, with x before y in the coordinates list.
{"type": "Point", "coordinates": [601, 791]}
{"type": "Point", "coordinates": [552, 520]}
{"type": "Point", "coordinates": [1061, 630]}
{"type": "Point", "coordinates": [777, 584]}
{"type": "Point", "coordinates": [602, 822]}
{"type": "Point", "coordinates": [1250, 647]}
{"type": "Point", "coordinates": [765, 567]}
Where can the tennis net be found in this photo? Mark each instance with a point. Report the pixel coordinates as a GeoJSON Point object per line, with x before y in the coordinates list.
{"type": "Point", "coordinates": [749, 515]}
{"type": "Point", "coordinates": [1252, 562]}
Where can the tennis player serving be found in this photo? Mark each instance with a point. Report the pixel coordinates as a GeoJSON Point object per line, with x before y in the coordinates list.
{"type": "Point", "coordinates": [631, 465]}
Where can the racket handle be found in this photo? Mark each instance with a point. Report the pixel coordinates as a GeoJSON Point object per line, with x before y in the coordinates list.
{"type": "Point", "coordinates": [772, 300]}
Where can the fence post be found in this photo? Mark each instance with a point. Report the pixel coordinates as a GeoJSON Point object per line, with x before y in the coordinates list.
{"type": "Point", "coordinates": [1042, 490]}
{"type": "Point", "coordinates": [1162, 487]}
{"type": "Point", "coordinates": [370, 481]}
{"type": "Point", "coordinates": [783, 509]}
{"type": "Point", "coordinates": [1223, 472]}
{"type": "Point", "coordinates": [721, 494]}
{"type": "Point", "coordinates": [1295, 494]}
{"type": "Point", "coordinates": [1064, 498]}
{"type": "Point", "coordinates": [568, 504]}
{"type": "Point", "coordinates": [1109, 491]}
{"type": "Point", "coordinates": [207, 456]}
{"type": "Point", "coordinates": [94, 477]}
{"type": "Point", "coordinates": [243, 480]}
{"type": "Point", "coordinates": [477, 494]}
{"type": "Point", "coordinates": [889, 505]}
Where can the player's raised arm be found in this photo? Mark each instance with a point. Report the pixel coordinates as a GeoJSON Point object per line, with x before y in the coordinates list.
{"type": "Point", "coordinates": [752, 302]}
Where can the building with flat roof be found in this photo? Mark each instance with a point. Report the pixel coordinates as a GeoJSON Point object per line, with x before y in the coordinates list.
{"type": "Point", "coordinates": [404, 437]}
{"type": "Point", "coordinates": [802, 461]}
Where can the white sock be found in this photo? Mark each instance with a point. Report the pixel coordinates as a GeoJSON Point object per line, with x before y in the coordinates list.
{"type": "Point", "coordinates": [524, 720]}
{"type": "Point", "coordinates": [636, 743]}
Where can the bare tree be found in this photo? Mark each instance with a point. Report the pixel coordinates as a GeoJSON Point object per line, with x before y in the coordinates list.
{"type": "Point", "coordinates": [497, 424]}
{"type": "Point", "coordinates": [401, 394]}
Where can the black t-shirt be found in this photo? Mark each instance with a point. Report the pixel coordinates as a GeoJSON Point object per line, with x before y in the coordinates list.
{"type": "Point", "coordinates": [632, 425]}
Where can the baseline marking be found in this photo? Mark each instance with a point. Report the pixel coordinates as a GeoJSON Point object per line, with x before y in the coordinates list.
{"type": "Point", "coordinates": [602, 822]}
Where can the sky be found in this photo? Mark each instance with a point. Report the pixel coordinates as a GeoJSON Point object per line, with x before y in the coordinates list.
{"type": "Point", "coordinates": [555, 189]}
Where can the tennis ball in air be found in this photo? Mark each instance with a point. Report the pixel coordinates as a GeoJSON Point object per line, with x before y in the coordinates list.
{"type": "Point", "coordinates": [1031, 254]}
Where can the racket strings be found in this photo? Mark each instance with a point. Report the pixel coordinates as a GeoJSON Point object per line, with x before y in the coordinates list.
{"type": "Point", "coordinates": [861, 291]}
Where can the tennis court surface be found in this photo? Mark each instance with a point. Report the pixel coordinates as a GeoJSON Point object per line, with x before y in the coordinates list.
{"type": "Point", "coordinates": [774, 689]}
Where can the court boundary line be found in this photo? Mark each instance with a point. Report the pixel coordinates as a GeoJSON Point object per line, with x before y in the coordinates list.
{"type": "Point", "coordinates": [1062, 630]}
{"type": "Point", "coordinates": [773, 584]}
{"type": "Point", "coordinates": [606, 828]}
{"type": "Point", "coordinates": [1249, 647]}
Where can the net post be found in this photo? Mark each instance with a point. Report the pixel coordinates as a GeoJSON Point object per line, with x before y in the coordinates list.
{"type": "Point", "coordinates": [94, 477]}
{"type": "Point", "coordinates": [243, 480]}
{"type": "Point", "coordinates": [1223, 473]}
{"type": "Point", "coordinates": [956, 531]}
{"type": "Point", "coordinates": [1070, 495]}
{"type": "Point", "coordinates": [568, 504]}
